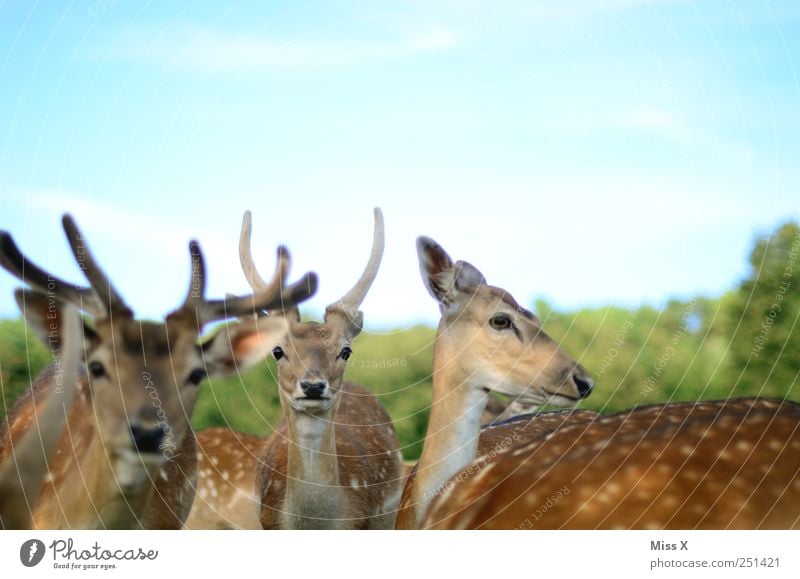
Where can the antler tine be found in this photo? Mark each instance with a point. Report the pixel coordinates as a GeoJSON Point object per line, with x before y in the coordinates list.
{"type": "Point", "coordinates": [272, 295]}
{"type": "Point", "coordinates": [351, 301]}
{"type": "Point", "coordinates": [13, 261]}
{"type": "Point", "coordinates": [197, 278]}
{"type": "Point", "coordinates": [99, 281]}
{"type": "Point", "coordinates": [245, 254]}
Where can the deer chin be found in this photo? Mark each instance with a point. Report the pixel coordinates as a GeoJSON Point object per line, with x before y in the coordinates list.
{"type": "Point", "coordinates": [528, 395]}
{"type": "Point", "coordinates": [132, 469]}
{"type": "Point", "coordinates": [561, 400]}
{"type": "Point", "coordinates": [312, 405]}
{"type": "Point", "coordinates": [531, 395]}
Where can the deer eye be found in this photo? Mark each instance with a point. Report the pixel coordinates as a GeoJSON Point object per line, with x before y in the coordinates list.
{"type": "Point", "coordinates": [345, 353]}
{"type": "Point", "coordinates": [278, 353]}
{"type": "Point", "coordinates": [96, 369]}
{"type": "Point", "coordinates": [196, 376]}
{"type": "Point", "coordinates": [501, 322]}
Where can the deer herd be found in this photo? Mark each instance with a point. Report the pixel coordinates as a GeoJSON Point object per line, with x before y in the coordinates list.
{"type": "Point", "coordinates": [103, 438]}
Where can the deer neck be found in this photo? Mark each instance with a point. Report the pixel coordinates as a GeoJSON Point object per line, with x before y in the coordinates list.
{"type": "Point", "coordinates": [451, 442]}
{"type": "Point", "coordinates": [313, 493]}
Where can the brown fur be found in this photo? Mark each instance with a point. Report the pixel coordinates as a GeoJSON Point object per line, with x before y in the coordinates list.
{"type": "Point", "coordinates": [496, 439]}
{"type": "Point", "coordinates": [709, 465]}
{"type": "Point", "coordinates": [227, 498]}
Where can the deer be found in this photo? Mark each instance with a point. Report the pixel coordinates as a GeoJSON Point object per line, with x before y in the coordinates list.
{"type": "Point", "coordinates": [22, 476]}
{"type": "Point", "coordinates": [334, 462]}
{"type": "Point", "coordinates": [126, 456]}
{"type": "Point", "coordinates": [677, 465]}
{"type": "Point", "coordinates": [724, 464]}
{"type": "Point", "coordinates": [485, 342]}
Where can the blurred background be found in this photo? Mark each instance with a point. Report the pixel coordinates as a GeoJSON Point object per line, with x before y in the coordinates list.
{"type": "Point", "coordinates": [626, 168]}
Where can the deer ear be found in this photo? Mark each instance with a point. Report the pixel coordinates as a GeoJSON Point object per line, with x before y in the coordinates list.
{"type": "Point", "coordinates": [467, 276]}
{"type": "Point", "coordinates": [240, 346]}
{"type": "Point", "coordinates": [45, 315]}
{"type": "Point", "coordinates": [443, 279]}
{"type": "Point", "coordinates": [436, 268]}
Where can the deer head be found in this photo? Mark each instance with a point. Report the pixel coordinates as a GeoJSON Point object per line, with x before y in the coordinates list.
{"type": "Point", "coordinates": [142, 376]}
{"type": "Point", "coordinates": [312, 356]}
{"type": "Point", "coordinates": [491, 342]}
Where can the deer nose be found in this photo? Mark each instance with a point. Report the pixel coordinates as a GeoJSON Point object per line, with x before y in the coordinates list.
{"type": "Point", "coordinates": [313, 390]}
{"type": "Point", "coordinates": [147, 438]}
{"type": "Point", "coordinates": [583, 383]}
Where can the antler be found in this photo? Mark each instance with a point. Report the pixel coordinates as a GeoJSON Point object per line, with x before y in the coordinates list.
{"type": "Point", "coordinates": [246, 258]}
{"type": "Point", "coordinates": [100, 300]}
{"type": "Point", "coordinates": [351, 301]}
{"type": "Point", "coordinates": [100, 282]}
{"type": "Point", "coordinates": [13, 261]}
{"type": "Point", "coordinates": [273, 295]}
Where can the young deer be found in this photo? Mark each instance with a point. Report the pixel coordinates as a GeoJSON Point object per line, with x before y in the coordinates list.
{"type": "Point", "coordinates": [485, 342]}
{"type": "Point", "coordinates": [731, 464]}
{"type": "Point", "coordinates": [335, 461]}
{"type": "Point", "coordinates": [126, 458]}
{"type": "Point", "coordinates": [22, 476]}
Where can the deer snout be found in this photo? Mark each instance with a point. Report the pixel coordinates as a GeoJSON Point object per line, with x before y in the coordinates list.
{"type": "Point", "coordinates": [583, 383]}
{"type": "Point", "coordinates": [147, 438]}
{"type": "Point", "coordinates": [314, 390]}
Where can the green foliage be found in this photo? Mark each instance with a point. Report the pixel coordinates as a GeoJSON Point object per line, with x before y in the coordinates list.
{"type": "Point", "coordinates": [644, 355]}
{"type": "Point", "coordinates": [22, 357]}
{"type": "Point", "coordinates": [762, 318]}
{"type": "Point", "coordinates": [694, 349]}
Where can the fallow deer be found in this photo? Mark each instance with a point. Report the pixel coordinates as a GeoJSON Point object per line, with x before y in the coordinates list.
{"type": "Point", "coordinates": [335, 461]}
{"type": "Point", "coordinates": [683, 465]}
{"type": "Point", "coordinates": [126, 458]}
{"type": "Point", "coordinates": [485, 342]}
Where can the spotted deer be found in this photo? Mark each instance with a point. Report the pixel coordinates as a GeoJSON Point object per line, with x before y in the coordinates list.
{"type": "Point", "coordinates": [22, 475]}
{"type": "Point", "coordinates": [486, 342]}
{"type": "Point", "coordinates": [335, 461]}
{"type": "Point", "coordinates": [126, 457]}
{"type": "Point", "coordinates": [729, 464]}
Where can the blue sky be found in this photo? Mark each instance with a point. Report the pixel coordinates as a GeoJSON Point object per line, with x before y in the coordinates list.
{"type": "Point", "coordinates": [618, 151]}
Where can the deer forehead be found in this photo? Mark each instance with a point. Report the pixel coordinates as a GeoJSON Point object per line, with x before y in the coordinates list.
{"type": "Point", "coordinates": [136, 338]}
{"type": "Point", "coordinates": [314, 339]}
{"type": "Point", "coordinates": [485, 300]}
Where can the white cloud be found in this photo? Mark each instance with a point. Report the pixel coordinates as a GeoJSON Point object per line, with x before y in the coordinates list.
{"type": "Point", "coordinates": [658, 121]}
{"type": "Point", "coordinates": [210, 51]}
